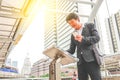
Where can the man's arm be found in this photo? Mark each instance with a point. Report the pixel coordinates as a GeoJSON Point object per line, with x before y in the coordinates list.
{"type": "Point", "coordinates": [94, 38]}
{"type": "Point", "coordinates": [72, 48]}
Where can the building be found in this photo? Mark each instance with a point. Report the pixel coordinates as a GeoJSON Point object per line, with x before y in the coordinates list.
{"type": "Point", "coordinates": [50, 24]}
{"type": "Point", "coordinates": [11, 63]}
{"type": "Point", "coordinates": [113, 30]}
{"type": "Point", "coordinates": [68, 71]}
{"type": "Point", "coordinates": [26, 69]}
{"type": "Point", "coordinates": [56, 28]}
{"type": "Point", "coordinates": [40, 68]}
{"type": "Point", "coordinates": [112, 61]}
{"type": "Point", "coordinates": [117, 18]}
{"type": "Point", "coordinates": [8, 62]}
{"type": "Point", "coordinates": [15, 64]}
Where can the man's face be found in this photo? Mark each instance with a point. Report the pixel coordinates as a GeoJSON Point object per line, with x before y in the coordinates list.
{"type": "Point", "coordinates": [75, 24]}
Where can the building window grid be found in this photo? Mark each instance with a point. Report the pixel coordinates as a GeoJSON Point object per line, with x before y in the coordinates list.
{"type": "Point", "coordinates": [64, 32]}
{"type": "Point", "coordinates": [68, 34]}
{"type": "Point", "coordinates": [51, 30]}
{"type": "Point", "coordinates": [117, 23]}
{"type": "Point", "coordinates": [50, 36]}
{"type": "Point", "coordinates": [49, 18]}
{"type": "Point", "coordinates": [67, 8]}
{"type": "Point", "coordinates": [64, 5]}
{"type": "Point", "coordinates": [61, 20]}
{"type": "Point", "coordinates": [61, 23]}
{"type": "Point", "coordinates": [61, 28]}
{"type": "Point", "coordinates": [65, 36]}
{"type": "Point", "coordinates": [50, 42]}
{"type": "Point", "coordinates": [59, 17]}
{"type": "Point", "coordinates": [74, 9]}
{"type": "Point", "coordinates": [51, 6]}
{"type": "Point", "coordinates": [66, 44]}
{"type": "Point", "coordinates": [38, 69]}
{"type": "Point", "coordinates": [48, 23]}
{"type": "Point", "coordinates": [70, 8]}
{"type": "Point", "coordinates": [112, 32]}
{"type": "Point", "coordinates": [59, 3]}
{"type": "Point", "coordinates": [64, 41]}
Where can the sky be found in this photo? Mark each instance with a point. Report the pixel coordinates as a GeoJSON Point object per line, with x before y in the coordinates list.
{"type": "Point", "coordinates": [31, 43]}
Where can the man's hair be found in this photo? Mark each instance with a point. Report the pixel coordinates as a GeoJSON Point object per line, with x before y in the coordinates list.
{"type": "Point", "coordinates": [72, 16]}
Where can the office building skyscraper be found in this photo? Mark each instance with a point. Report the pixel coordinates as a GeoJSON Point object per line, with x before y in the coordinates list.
{"type": "Point", "coordinates": [57, 31]}
{"type": "Point", "coordinates": [114, 32]}
{"type": "Point", "coordinates": [117, 18]}
{"type": "Point", "coordinates": [15, 64]}
{"type": "Point", "coordinates": [26, 69]}
{"type": "Point", "coordinates": [8, 62]}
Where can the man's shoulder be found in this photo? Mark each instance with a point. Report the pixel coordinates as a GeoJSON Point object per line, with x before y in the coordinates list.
{"type": "Point", "coordinates": [89, 24]}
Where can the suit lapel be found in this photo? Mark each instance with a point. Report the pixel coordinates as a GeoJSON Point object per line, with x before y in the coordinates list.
{"type": "Point", "coordinates": [83, 31]}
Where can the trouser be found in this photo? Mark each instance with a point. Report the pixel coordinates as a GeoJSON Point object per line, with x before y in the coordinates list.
{"type": "Point", "coordinates": [89, 68]}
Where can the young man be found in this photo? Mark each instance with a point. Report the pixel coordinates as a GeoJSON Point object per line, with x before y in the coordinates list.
{"type": "Point", "coordinates": [84, 39]}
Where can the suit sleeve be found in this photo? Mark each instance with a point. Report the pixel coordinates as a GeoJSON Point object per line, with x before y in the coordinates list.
{"type": "Point", "coordinates": [72, 48]}
{"type": "Point", "coordinates": [94, 38]}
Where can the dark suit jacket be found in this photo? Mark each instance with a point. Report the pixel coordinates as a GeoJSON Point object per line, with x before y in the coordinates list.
{"type": "Point", "coordinates": [86, 49]}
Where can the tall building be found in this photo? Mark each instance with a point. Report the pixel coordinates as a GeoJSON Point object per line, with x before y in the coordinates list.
{"type": "Point", "coordinates": [26, 69]}
{"type": "Point", "coordinates": [15, 64]}
{"type": "Point", "coordinates": [109, 37]}
{"type": "Point", "coordinates": [50, 24]}
{"type": "Point", "coordinates": [114, 32]}
{"type": "Point", "coordinates": [117, 18]}
{"type": "Point", "coordinates": [63, 30]}
{"type": "Point", "coordinates": [57, 31]}
{"type": "Point", "coordinates": [8, 62]}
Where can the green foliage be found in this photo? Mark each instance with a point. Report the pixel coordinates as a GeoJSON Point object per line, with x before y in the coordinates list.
{"type": "Point", "coordinates": [45, 75]}
{"type": "Point", "coordinates": [62, 74]}
{"type": "Point", "coordinates": [32, 76]}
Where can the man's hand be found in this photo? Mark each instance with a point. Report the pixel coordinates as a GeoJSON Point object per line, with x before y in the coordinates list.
{"type": "Point", "coordinates": [76, 59]}
{"type": "Point", "coordinates": [79, 38]}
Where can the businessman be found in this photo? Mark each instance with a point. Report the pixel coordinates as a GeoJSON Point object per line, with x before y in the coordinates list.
{"type": "Point", "coordinates": [84, 39]}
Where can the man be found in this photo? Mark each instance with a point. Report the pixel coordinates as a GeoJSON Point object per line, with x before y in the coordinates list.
{"type": "Point", "coordinates": [84, 39]}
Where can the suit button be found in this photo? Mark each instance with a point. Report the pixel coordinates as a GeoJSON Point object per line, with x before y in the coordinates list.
{"type": "Point", "coordinates": [81, 52]}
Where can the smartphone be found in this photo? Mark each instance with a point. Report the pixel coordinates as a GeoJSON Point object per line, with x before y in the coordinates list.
{"type": "Point", "coordinates": [75, 34]}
